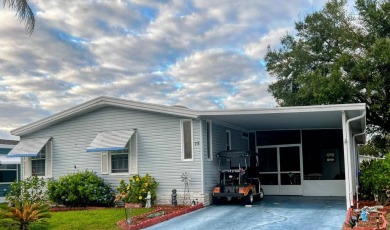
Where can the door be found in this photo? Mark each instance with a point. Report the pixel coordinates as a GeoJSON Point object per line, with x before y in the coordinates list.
{"type": "Point", "coordinates": [281, 169]}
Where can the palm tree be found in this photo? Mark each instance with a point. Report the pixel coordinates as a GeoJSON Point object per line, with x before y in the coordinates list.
{"type": "Point", "coordinates": [23, 12]}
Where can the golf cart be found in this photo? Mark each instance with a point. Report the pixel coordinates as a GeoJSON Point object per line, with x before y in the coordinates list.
{"type": "Point", "coordinates": [239, 177]}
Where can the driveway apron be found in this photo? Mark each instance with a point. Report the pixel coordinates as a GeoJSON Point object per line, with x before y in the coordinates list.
{"type": "Point", "coordinates": [272, 213]}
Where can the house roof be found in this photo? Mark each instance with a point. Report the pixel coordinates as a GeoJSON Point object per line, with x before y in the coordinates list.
{"type": "Point", "coordinates": [298, 117]}
{"type": "Point", "coordinates": [98, 103]}
{"type": "Point", "coordinates": [8, 142]}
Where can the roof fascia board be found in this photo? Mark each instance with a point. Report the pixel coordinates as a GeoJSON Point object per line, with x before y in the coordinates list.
{"type": "Point", "coordinates": [151, 107]}
{"type": "Point", "coordinates": [293, 109]}
{"type": "Point", "coordinates": [97, 103]}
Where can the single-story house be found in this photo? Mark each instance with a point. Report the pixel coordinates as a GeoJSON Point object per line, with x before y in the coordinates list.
{"type": "Point", "coordinates": [306, 150]}
{"type": "Point", "coordinates": [9, 167]}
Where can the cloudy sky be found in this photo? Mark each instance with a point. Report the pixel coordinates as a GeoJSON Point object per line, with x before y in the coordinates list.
{"type": "Point", "coordinates": [200, 54]}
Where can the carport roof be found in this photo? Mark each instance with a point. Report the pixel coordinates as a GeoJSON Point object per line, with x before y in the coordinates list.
{"type": "Point", "coordinates": [299, 117]}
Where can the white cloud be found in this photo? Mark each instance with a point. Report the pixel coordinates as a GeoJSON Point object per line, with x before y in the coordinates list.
{"type": "Point", "coordinates": [201, 54]}
{"type": "Point", "coordinates": [258, 48]}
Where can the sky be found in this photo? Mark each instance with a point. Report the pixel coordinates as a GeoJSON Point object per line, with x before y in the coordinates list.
{"type": "Point", "coordinates": [199, 54]}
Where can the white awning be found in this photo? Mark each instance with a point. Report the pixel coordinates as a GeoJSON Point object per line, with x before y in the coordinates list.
{"type": "Point", "coordinates": [110, 140]}
{"type": "Point", "coordinates": [28, 147]}
{"type": "Point", "coordinates": [4, 160]}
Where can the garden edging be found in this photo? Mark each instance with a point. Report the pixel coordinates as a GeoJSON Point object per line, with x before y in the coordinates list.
{"type": "Point", "coordinates": [147, 223]}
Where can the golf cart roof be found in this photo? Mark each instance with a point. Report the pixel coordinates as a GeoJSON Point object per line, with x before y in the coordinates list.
{"type": "Point", "coordinates": [236, 153]}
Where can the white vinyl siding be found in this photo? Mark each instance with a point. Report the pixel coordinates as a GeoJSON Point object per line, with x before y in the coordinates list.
{"type": "Point", "coordinates": [186, 139]}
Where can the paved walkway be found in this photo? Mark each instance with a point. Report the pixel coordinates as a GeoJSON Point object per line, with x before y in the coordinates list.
{"type": "Point", "coordinates": [273, 213]}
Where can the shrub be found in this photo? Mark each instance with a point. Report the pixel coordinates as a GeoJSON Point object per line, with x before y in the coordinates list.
{"type": "Point", "coordinates": [137, 189]}
{"type": "Point", "coordinates": [80, 189]}
{"type": "Point", "coordinates": [30, 190]}
{"type": "Point", "coordinates": [374, 178]}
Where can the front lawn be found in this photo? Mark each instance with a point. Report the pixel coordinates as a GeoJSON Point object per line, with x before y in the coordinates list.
{"type": "Point", "coordinates": [84, 219]}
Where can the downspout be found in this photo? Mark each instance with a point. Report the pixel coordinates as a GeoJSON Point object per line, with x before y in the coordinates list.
{"type": "Point", "coordinates": [357, 166]}
{"type": "Point", "coordinates": [348, 158]}
{"type": "Point", "coordinates": [201, 157]}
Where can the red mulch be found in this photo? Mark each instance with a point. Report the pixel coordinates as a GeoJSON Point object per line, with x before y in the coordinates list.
{"type": "Point", "coordinates": [160, 208]}
{"type": "Point", "coordinates": [142, 221]}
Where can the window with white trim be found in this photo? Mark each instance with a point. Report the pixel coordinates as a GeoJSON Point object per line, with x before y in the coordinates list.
{"type": "Point", "coordinates": [119, 161]}
{"type": "Point", "coordinates": [228, 140]}
{"type": "Point", "coordinates": [40, 165]}
{"type": "Point", "coordinates": [186, 139]}
{"type": "Point", "coordinates": [209, 140]}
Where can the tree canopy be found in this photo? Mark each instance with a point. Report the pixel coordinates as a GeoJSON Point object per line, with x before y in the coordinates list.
{"type": "Point", "coordinates": [23, 12]}
{"type": "Point", "coordinates": [337, 57]}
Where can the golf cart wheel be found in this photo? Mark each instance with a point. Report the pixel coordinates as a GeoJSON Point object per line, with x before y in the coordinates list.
{"type": "Point", "coordinates": [261, 194]}
{"type": "Point", "coordinates": [249, 198]}
{"type": "Point", "coordinates": [216, 201]}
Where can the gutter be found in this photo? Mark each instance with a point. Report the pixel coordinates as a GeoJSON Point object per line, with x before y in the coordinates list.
{"type": "Point", "coordinates": [348, 157]}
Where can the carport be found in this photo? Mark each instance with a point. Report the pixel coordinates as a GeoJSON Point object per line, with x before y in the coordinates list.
{"type": "Point", "coordinates": [305, 150]}
{"type": "Point", "coordinates": [273, 212]}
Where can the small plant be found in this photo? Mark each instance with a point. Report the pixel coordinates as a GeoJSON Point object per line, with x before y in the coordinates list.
{"type": "Point", "coordinates": [26, 213]}
{"type": "Point", "coordinates": [136, 190]}
{"type": "Point", "coordinates": [81, 189]}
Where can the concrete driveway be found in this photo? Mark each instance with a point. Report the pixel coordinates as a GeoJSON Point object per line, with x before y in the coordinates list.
{"type": "Point", "coordinates": [273, 212]}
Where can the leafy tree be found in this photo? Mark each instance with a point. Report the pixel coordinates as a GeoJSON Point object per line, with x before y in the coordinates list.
{"type": "Point", "coordinates": [336, 57]}
{"type": "Point", "coordinates": [376, 146]}
{"type": "Point", "coordinates": [23, 12]}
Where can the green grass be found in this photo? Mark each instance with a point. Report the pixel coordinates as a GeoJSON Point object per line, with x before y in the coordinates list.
{"type": "Point", "coordinates": [85, 219]}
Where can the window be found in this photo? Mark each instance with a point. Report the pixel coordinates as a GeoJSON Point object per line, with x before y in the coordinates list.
{"type": "Point", "coordinates": [228, 140]}
{"type": "Point", "coordinates": [119, 161]}
{"type": "Point", "coordinates": [8, 173]}
{"type": "Point", "coordinates": [186, 139]}
{"type": "Point", "coordinates": [209, 140]}
{"type": "Point", "coordinates": [38, 163]}
{"type": "Point", "coordinates": [123, 161]}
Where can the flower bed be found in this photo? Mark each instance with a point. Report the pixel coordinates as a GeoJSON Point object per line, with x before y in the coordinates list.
{"type": "Point", "coordinates": [372, 224]}
{"type": "Point", "coordinates": [142, 221]}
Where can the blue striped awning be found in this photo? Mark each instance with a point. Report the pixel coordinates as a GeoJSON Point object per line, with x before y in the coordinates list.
{"type": "Point", "coordinates": [28, 147]}
{"type": "Point", "coordinates": [110, 140]}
